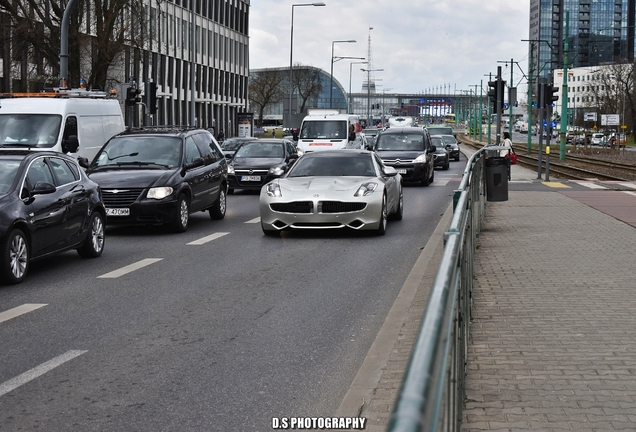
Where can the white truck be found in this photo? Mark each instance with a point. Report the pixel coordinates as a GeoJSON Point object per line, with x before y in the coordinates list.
{"type": "Point", "coordinates": [329, 130]}
{"type": "Point", "coordinates": [68, 121]}
{"type": "Point", "coordinates": [401, 121]}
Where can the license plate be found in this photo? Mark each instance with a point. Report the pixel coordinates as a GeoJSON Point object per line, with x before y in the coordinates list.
{"type": "Point", "coordinates": [401, 171]}
{"type": "Point", "coordinates": [250, 178]}
{"type": "Point", "coordinates": [117, 212]}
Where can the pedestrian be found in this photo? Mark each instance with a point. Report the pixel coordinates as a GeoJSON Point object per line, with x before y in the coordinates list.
{"type": "Point", "coordinates": [506, 153]}
{"type": "Point", "coordinates": [221, 136]}
{"type": "Point", "coordinates": [273, 132]}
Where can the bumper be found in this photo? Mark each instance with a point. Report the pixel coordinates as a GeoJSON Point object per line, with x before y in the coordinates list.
{"type": "Point", "coordinates": [146, 213]}
{"type": "Point", "coordinates": [234, 181]}
{"type": "Point", "coordinates": [441, 161]}
{"type": "Point", "coordinates": [412, 173]}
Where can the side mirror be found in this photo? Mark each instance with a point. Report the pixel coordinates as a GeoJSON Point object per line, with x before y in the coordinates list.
{"type": "Point", "coordinates": [43, 188]}
{"type": "Point", "coordinates": [229, 156]}
{"type": "Point", "coordinates": [389, 171]}
{"type": "Point", "coordinates": [293, 156]}
{"type": "Point", "coordinates": [70, 144]}
{"type": "Point", "coordinates": [83, 162]}
{"type": "Point", "coordinates": [432, 149]}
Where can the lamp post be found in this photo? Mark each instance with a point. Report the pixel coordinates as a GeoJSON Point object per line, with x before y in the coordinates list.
{"type": "Point", "coordinates": [331, 72]}
{"type": "Point", "coordinates": [291, 53]}
{"type": "Point", "coordinates": [350, 71]}
{"type": "Point", "coordinates": [368, 71]}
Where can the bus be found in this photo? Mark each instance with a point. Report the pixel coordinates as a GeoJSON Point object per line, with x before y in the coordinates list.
{"type": "Point", "coordinates": [449, 118]}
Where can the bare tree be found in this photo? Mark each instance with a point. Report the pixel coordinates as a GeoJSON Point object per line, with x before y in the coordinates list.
{"type": "Point", "coordinates": [31, 28]}
{"type": "Point", "coordinates": [307, 84]}
{"type": "Point", "coordinates": [266, 88]}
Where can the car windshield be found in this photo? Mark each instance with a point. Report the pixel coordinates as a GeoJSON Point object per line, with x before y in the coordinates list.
{"type": "Point", "coordinates": [159, 150]}
{"type": "Point", "coordinates": [33, 130]}
{"type": "Point", "coordinates": [436, 141]}
{"type": "Point", "coordinates": [440, 130]}
{"type": "Point", "coordinates": [232, 144]}
{"type": "Point", "coordinates": [399, 142]}
{"type": "Point", "coordinates": [259, 149]}
{"type": "Point", "coordinates": [8, 171]}
{"type": "Point", "coordinates": [337, 166]}
{"type": "Point", "coordinates": [449, 139]}
{"type": "Point", "coordinates": [327, 129]}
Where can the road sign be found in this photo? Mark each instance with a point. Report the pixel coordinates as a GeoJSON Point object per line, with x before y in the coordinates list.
{"type": "Point", "coordinates": [589, 116]}
{"type": "Point", "coordinates": [610, 120]}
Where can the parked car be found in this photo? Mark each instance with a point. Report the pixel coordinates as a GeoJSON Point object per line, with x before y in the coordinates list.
{"type": "Point", "coordinates": [230, 145]}
{"type": "Point", "coordinates": [452, 145]}
{"type": "Point", "coordinates": [47, 205]}
{"type": "Point", "coordinates": [440, 157]}
{"type": "Point", "coordinates": [159, 175]}
{"type": "Point", "coordinates": [409, 150]}
{"type": "Point", "coordinates": [260, 161]}
{"type": "Point", "coordinates": [333, 189]}
{"type": "Point", "coordinates": [598, 139]}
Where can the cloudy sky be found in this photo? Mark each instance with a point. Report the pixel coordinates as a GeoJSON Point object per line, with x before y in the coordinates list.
{"type": "Point", "coordinates": [420, 44]}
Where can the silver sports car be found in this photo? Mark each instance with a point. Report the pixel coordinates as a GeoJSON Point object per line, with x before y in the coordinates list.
{"type": "Point", "coordinates": [333, 189]}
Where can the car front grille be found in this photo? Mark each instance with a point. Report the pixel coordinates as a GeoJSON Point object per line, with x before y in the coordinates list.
{"type": "Point", "coordinates": [397, 162]}
{"type": "Point", "coordinates": [293, 207]}
{"type": "Point", "coordinates": [340, 207]}
{"type": "Point", "coordinates": [120, 197]}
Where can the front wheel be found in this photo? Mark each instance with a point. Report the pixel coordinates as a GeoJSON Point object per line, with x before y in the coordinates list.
{"type": "Point", "coordinates": [383, 218]}
{"type": "Point", "coordinates": [399, 212]}
{"type": "Point", "coordinates": [15, 257]}
{"type": "Point", "coordinates": [217, 211]}
{"type": "Point", "coordinates": [94, 243]}
{"type": "Point", "coordinates": [180, 222]}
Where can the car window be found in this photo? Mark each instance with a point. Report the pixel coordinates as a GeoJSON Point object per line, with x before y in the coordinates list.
{"type": "Point", "coordinates": [131, 149]}
{"type": "Point", "coordinates": [436, 141]}
{"type": "Point", "coordinates": [333, 167]}
{"type": "Point", "coordinates": [400, 142]}
{"type": "Point", "coordinates": [62, 171]}
{"type": "Point", "coordinates": [291, 149]}
{"type": "Point", "coordinates": [8, 172]}
{"type": "Point", "coordinates": [259, 149]}
{"type": "Point", "coordinates": [203, 142]}
{"type": "Point", "coordinates": [192, 152]}
{"type": "Point", "coordinates": [39, 172]}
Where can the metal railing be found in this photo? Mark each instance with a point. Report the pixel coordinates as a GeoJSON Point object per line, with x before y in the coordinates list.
{"type": "Point", "coordinates": [433, 389]}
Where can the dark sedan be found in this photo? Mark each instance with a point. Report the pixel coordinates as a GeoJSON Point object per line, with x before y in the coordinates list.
{"type": "Point", "coordinates": [258, 162]}
{"type": "Point", "coordinates": [409, 150]}
{"type": "Point", "coordinates": [154, 176]}
{"type": "Point", "coordinates": [452, 145]}
{"type": "Point", "coordinates": [47, 205]}
{"type": "Point", "coordinates": [441, 156]}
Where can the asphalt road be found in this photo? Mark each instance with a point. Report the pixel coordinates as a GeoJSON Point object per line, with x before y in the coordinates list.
{"type": "Point", "coordinates": [219, 335]}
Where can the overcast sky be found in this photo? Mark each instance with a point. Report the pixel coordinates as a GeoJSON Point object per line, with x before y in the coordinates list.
{"type": "Point", "coordinates": [420, 44]}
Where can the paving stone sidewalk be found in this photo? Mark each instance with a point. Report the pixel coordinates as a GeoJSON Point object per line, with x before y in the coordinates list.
{"type": "Point", "coordinates": [553, 334]}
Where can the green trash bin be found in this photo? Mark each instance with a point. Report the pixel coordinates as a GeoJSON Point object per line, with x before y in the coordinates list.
{"type": "Point", "coordinates": [497, 178]}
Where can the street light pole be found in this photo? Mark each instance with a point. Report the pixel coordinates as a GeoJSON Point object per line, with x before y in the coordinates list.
{"type": "Point", "coordinates": [350, 72]}
{"type": "Point", "coordinates": [291, 53]}
{"type": "Point", "coordinates": [331, 72]}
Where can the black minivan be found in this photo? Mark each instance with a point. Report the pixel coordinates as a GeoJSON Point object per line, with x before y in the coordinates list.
{"type": "Point", "coordinates": [409, 151]}
{"type": "Point", "coordinates": [159, 175]}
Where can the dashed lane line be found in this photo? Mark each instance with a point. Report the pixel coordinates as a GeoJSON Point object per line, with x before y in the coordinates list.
{"type": "Point", "coordinates": [206, 239]}
{"type": "Point", "coordinates": [255, 220]}
{"type": "Point", "coordinates": [130, 268]}
{"type": "Point", "coordinates": [20, 310]}
{"type": "Point", "coordinates": [630, 193]}
{"type": "Point", "coordinates": [628, 185]}
{"type": "Point", "coordinates": [37, 371]}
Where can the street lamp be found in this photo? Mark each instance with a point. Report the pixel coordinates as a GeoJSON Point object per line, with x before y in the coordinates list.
{"type": "Point", "coordinates": [291, 52]}
{"type": "Point", "coordinates": [350, 71]}
{"type": "Point", "coordinates": [368, 71]}
{"type": "Point", "coordinates": [331, 73]}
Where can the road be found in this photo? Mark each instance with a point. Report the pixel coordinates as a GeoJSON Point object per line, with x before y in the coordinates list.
{"type": "Point", "coordinates": [222, 334]}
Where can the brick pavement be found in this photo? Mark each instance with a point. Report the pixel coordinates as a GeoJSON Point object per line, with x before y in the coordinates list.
{"type": "Point", "coordinates": [553, 342]}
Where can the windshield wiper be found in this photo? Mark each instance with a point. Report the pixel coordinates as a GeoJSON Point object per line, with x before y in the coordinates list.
{"type": "Point", "coordinates": [141, 163]}
{"type": "Point", "coordinates": [121, 156]}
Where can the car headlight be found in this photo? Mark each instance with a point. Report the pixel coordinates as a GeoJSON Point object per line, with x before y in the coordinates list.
{"type": "Point", "coordinates": [230, 169]}
{"type": "Point", "coordinates": [159, 192]}
{"type": "Point", "coordinates": [366, 189]}
{"type": "Point", "coordinates": [420, 159]}
{"type": "Point", "coordinates": [273, 190]}
{"type": "Point", "coordinates": [277, 170]}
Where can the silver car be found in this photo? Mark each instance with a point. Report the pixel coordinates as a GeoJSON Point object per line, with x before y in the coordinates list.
{"type": "Point", "coordinates": [333, 189]}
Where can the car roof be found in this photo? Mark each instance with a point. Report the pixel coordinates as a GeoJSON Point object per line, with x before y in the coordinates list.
{"type": "Point", "coordinates": [161, 130]}
{"type": "Point", "coordinates": [30, 151]}
{"type": "Point", "coordinates": [406, 129]}
{"type": "Point", "coordinates": [337, 153]}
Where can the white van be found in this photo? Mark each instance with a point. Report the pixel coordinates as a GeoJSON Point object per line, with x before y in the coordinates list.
{"type": "Point", "coordinates": [329, 130]}
{"type": "Point", "coordinates": [73, 121]}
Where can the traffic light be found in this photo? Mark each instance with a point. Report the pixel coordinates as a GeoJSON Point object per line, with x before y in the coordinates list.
{"type": "Point", "coordinates": [131, 95]}
{"type": "Point", "coordinates": [551, 94]}
{"type": "Point", "coordinates": [496, 93]}
{"type": "Point", "coordinates": [151, 97]}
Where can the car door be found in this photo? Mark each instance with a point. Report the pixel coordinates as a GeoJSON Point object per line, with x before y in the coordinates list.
{"type": "Point", "coordinates": [46, 213]}
{"type": "Point", "coordinates": [212, 161]}
{"type": "Point", "coordinates": [75, 196]}
{"type": "Point", "coordinates": [197, 177]}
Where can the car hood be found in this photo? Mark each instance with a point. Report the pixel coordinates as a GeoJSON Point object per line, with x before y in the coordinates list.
{"type": "Point", "coordinates": [130, 178]}
{"type": "Point", "coordinates": [403, 154]}
{"type": "Point", "coordinates": [321, 184]}
{"type": "Point", "coordinates": [256, 163]}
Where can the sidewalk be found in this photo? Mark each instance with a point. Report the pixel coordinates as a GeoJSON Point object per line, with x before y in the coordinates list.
{"type": "Point", "coordinates": [553, 343]}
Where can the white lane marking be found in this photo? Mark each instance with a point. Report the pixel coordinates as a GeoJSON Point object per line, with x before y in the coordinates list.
{"type": "Point", "coordinates": [37, 371]}
{"type": "Point", "coordinates": [20, 310]}
{"type": "Point", "coordinates": [589, 184]}
{"type": "Point", "coordinates": [630, 193]}
{"type": "Point", "coordinates": [130, 268]}
{"type": "Point", "coordinates": [206, 239]}
{"type": "Point", "coordinates": [255, 220]}
{"type": "Point", "coordinates": [629, 185]}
